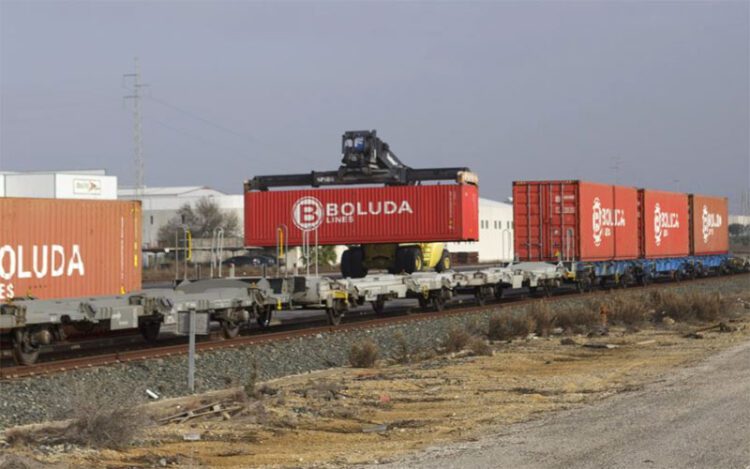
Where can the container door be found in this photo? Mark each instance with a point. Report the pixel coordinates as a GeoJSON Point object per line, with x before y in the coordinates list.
{"type": "Point", "coordinates": [545, 219]}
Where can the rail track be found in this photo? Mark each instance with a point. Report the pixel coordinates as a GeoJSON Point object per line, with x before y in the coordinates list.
{"type": "Point", "coordinates": [394, 316]}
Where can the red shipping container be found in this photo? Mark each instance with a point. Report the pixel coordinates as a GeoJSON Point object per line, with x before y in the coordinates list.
{"type": "Point", "coordinates": [666, 224]}
{"type": "Point", "coordinates": [392, 214]}
{"type": "Point", "coordinates": [709, 220]}
{"type": "Point", "coordinates": [574, 221]}
{"type": "Point", "coordinates": [56, 248]}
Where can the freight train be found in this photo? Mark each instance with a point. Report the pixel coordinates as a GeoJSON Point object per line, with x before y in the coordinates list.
{"type": "Point", "coordinates": [607, 233]}
{"type": "Point", "coordinates": [573, 233]}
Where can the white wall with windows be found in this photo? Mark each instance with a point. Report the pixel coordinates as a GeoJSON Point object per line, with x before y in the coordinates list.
{"type": "Point", "coordinates": [495, 233]}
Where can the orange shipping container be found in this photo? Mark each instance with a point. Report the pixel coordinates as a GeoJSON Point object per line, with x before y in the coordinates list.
{"type": "Point", "coordinates": [574, 220]}
{"type": "Point", "coordinates": [56, 248]}
{"type": "Point", "coordinates": [709, 219]}
{"type": "Point", "coordinates": [666, 224]}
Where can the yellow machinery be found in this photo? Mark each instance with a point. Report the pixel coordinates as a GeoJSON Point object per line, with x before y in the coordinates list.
{"type": "Point", "coordinates": [396, 258]}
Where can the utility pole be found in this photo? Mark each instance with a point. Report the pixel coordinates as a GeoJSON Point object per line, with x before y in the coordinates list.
{"type": "Point", "coordinates": [137, 126]}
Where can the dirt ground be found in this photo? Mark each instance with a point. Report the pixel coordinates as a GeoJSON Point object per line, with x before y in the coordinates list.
{"type": "Point", "coordinates": [349, 416]}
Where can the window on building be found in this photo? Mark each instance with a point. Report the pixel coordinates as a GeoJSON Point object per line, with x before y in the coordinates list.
{"type": "Point", "coordinates": [152, 219]}
{"type": "Point", "coordinates": [182, 217]}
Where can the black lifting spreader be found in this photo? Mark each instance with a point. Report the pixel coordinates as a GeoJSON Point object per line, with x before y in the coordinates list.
{"type": "Point", "coordinates": [366, 159]}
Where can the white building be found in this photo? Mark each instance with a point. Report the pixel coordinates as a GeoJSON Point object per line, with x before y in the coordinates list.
{"type": "Point", "coordinates": [161, 204]}
{"type": "Point", "coordinates": [495, 233]}
{"type": "Point", "coordinates": [79, 184]}
{"type": "Point", "coordinates": [740, 219]}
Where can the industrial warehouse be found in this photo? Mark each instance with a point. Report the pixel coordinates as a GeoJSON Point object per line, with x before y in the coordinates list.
{"type": "Point", "coordinates": [278, 236]}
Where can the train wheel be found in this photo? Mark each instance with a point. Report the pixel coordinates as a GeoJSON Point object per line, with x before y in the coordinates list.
{"type": "Point", "coordinates": [264, 316]}
{"type": "Point", "coordinates": [644, 280]}
{"type": "Point", "coordinates": [230, 329]}
{"type": "Point", "coordinates": [336, 312]}
{"type": "Point", "coordinates": [479, 296]}
{"type": "Point", "coordinates": [482, 294]}
{"type": "Point", "coordinates": [378, 305]}
{"type": "Point", "coordinates": [423, 302]}
{"type": "Point", "coordinates": [438, 302]}
{"type": "Point", "coordinates": [584, 284]}
{"type": "Point", "coordinates": [25, 352]}
{"type": "Point", "coordinates": [149, 330]}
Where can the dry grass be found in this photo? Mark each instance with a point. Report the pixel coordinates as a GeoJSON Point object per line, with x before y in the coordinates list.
{"type": "Point", "coordinates": [628, 309]}
{"type": "Point", "coordinates": [507, 326]}
{"type": "Point", "coordinates": [364, 354]}
{"type": "Point", "coordinates": [576, 318]}
{"type": "Point", "coordinates": [456, 340]}
{"type": "Point", "coordinates": [544, 319]}
{"type": "Point", "coordinates": [686, 307]}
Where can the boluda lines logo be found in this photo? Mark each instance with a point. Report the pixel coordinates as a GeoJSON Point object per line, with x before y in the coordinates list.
{"type": "Point", "coordinates": [308, 213]}
{"type": "Point", "coordinates": [17, 263]}
{"type": "Point", "coordinates": [663, 222]}
{"type": "Point", "coordinates": [711, 221]}
{"type": "Point", "coordinates": [603, 220]}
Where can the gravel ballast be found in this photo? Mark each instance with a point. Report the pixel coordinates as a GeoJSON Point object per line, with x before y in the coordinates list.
{"type": "Point", "coordinates": [36, 399]}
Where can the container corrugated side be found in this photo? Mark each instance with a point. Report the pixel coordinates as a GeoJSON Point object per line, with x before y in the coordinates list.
{"type": "Point", "coordinates": [666, 224]}
{"type": "Point", "coordinates": [709, 219]}
{"type": "Point", "coordinates": [397, 214]}
{"type": "Point", "coordinates": [54, 248]}
{"type": "Point", "coordinates": [575, 220]}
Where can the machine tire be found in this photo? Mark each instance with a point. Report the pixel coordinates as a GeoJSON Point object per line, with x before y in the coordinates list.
{"type": "Point", "coordinates": [398, 262]}
{"type": "Point", "coordinates": [413, 260]}
{"type": "Point", "coordinates": [346, 263]}
{"type": "Point", "coordinates": [356, 263]}
{"type": "Point", "coordinates": [444, 263]}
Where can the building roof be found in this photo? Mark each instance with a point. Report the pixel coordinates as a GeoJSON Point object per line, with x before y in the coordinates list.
{"type": "Point", "coordinates": [176, 191]}
{"type": "Point", "coordinates": [483, 201]}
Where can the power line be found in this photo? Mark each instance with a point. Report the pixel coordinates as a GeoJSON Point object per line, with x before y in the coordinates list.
{"type": "Point", "coordinates": [194, 136]}
{"type": "Point", "coordinates": [203, 119]}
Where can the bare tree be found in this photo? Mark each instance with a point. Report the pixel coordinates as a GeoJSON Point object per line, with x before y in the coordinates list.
{"type": "Point", "coordinates": [201, 220]}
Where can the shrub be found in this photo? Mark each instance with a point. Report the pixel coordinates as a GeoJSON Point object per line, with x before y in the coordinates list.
{"type": "Point", "coordinates": [577, 318]}
{"type": "Point", "coordinates": [628, 310]}
{"type": "Point", "coordinates": [705, 306]}
{"type": "Point", "coordinates": [685, 307]}
{"type": "Point", "coordinates": [401, 353]}
{"type": "Point", "coordinates": [103, 417]}
{"type": "Point", "coordinates": [456, 340]}
{"type": "Point", "coordinates": [541, 313]}
{"type": "Point", "coordinates": [479, 347]}
{"type": "Point", "coordinates": [364, 354]}
{"type": "Point", "coordinates": [506, 326]}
